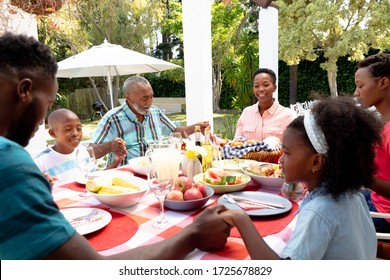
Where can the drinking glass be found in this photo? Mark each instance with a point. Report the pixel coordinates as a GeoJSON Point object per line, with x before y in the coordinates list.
{"type": "Point", "coordinates": [101, 163]}
{"type": "Point", "coordinates": [177, 138]}
{"type": "Point", "coordinates": [165, 151]}
{"type": "Point", "coordinates": [217, 138]}
{"type": "Point", "coordinates": [160, 183]}
{"type": "Point", "coordinates": [293, 191]}
{"type": "Point", "coordinates": [217, 149]}
{"type": "Point", "coordinates": [86, 162]}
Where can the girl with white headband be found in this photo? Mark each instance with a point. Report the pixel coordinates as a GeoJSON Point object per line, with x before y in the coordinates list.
{"type": "Point", "coordinates": [331, 149]}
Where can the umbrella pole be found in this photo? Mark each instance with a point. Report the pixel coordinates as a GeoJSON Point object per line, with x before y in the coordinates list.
{"type": "Point", "coordinates": [110, 87]}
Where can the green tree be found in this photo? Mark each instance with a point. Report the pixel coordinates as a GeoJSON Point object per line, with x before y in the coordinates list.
{"type": "Point", "coordinates": [131, 24]}
{"type": "Point", "coordinates": [171, 31]}
{"type": "Point", "coordinates": [335, 28]}
{"type": "Point", "coordinates": [235, 48]}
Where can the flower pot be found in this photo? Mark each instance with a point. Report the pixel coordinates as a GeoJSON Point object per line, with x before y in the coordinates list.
{"type": "Point", "coordinates": [191, 167]}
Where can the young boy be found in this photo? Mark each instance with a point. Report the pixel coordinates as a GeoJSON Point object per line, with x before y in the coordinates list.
{"type": "Point", "coordinates": [59, 161]}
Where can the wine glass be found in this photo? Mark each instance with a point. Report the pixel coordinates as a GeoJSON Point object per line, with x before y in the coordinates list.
{"type": "Point", "coordinates": [86, 162]}
{"type": "Point", "coordinates": [160, 183]}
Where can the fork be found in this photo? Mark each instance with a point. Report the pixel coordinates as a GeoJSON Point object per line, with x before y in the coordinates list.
{"type": "Point", "coordinates": [87, 217]}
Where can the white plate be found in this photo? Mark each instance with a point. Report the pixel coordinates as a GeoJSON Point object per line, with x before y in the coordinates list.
{"type": "Point", "coordinates": [234, 164]}
{"type": "Point", "coordinates": [112, 173]}
{"type": "Point", "coordinates": [80, 178]}
{"type": "Point", "coordinates": [71, 213]}
{"type": "Point", "coordinates": [259, 196]}
{"type": "Point", "coordinates": [139, 165]}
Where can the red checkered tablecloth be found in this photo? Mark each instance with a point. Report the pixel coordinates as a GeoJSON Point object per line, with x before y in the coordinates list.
{"type": "Point", "coordinates": [147, 210]}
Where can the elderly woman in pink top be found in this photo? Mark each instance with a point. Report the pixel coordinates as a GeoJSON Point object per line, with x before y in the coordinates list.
{"type": "Point", "coordinates": [267, 117]}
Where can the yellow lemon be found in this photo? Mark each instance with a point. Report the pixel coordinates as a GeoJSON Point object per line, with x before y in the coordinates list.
{"type": "Point", "coordinates": [91, 186]}
{"type": "Point", "coordinates": [95, 184]}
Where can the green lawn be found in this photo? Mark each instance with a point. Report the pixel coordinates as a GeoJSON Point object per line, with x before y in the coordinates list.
{"type": "Point", "coordinates": [223, 123]}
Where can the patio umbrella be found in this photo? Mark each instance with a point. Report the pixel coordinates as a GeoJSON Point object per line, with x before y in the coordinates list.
{"type": "Point", "coordinates": [108, 60]}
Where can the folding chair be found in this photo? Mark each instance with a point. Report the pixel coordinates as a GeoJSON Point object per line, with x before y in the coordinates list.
{"type": "Point", "coordinates": [383, 247]}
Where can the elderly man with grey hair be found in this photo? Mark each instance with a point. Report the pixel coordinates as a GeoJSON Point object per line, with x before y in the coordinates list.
{"type": "Point", "coordinates": [137, 121]}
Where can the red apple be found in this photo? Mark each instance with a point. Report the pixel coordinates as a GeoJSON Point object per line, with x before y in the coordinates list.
{"type": "Point", "coordinates": [175, 195]}
{"type": "Point", "coordinates": [192, 194]}
{"type": "Point", "coordinates": [201, 188]}
{"type": "Point", "coordinates": [182, 183]}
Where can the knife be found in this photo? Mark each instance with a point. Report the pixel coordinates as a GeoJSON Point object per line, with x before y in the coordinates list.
{"type": "Point", "coordinates": [255, 201]}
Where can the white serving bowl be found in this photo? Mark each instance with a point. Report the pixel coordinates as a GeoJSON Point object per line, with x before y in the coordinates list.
{"type": "Point", "coordinates": [272, 183]}
{"type": "Point", "coordinates": [187, 205]}
{"type": "Point", "coordinates": [225, 188]}
{"type": "Point", "coordinates": [139, 165]}
{"type": "Point", "coordinates": [235, 164]}
{"type": "Point", "coordinates": [125, 199]}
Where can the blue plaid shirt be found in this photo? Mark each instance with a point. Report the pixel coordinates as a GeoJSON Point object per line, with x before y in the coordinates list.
{"type": "Point", "coordinates": [122, 122]}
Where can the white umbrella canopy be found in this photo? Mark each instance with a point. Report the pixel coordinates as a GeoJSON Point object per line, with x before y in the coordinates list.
{"type": "Point", "coordinates": [110, 60]}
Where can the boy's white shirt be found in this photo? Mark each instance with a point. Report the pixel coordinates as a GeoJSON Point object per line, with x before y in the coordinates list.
{"type": "Point", "coordinates": [62, 166]}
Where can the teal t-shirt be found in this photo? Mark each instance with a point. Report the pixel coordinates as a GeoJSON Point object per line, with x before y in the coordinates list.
{"type": "Point", "coordinates": [31, 225]}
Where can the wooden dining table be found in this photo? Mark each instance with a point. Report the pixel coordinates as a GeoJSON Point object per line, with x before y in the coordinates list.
{"type": "Point", "coordinates": [132, 226]}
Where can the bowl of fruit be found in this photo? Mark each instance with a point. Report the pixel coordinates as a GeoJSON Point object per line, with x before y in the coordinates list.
{"type": "Point", "coordinates": [187, 196]}
{"type": "Point", "coordinates": [117, 191]}
{"type": "Point", "coordinates": [222, 181]}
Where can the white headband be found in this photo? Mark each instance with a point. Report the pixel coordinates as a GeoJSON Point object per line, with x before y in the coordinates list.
{"type": "Point", "coordinates": [316, 136]}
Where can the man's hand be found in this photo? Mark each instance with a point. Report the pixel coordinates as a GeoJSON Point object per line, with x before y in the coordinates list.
{"type": "Point", "coordinates": [51, 179]}
{"type": "Point", "coordinates": [203, 125]}
{"type": "Point", "coordinates": [211, 230]}
{"type": "Point", "coordinates": [118, 147]}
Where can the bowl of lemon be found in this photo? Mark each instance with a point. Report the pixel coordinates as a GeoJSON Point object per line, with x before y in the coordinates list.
{"type": "Point", "coordinates": [115, 191]}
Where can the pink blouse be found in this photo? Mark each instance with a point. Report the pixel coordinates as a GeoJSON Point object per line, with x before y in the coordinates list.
{"type": "Point", "coordinates": [274, 121]}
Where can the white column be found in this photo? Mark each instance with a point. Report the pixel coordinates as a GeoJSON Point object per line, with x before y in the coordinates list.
{"type": "Point", "coordinates": [268, 40]}
{"type": "Point", "coordinates": [23, 23]}
{"type": "Point", "coordinates": [198, 60]}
